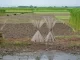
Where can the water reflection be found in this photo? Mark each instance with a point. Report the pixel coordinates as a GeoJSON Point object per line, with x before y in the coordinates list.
{"type": "Point", "coordinates": [44, 57]}
{"type": "Point", "coordinates": [41, 55]}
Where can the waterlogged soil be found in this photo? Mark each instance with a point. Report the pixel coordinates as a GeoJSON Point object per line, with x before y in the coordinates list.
{"type": "Point", "coordinates": [70, 45]}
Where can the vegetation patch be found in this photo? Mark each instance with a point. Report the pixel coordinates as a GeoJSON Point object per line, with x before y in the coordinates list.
{"type": "Point", "coordinates": [75, 19]}
{"type": "Point", "coordinates": [2, 12]}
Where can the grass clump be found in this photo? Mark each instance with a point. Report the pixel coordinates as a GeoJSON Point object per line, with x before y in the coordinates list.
{"type": "Point", "coordinates": [15, 43]}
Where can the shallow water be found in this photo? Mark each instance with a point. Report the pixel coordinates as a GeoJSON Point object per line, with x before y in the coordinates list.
{"type": "Point", "coordinates": [41, 55]}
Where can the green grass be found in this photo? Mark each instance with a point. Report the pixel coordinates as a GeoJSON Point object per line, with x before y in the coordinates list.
{"type": "Point", "coordinates": [63, 17]}
{"type": "Point", "coordinates": [57, 12]}
{"type": "Point", "coordinates": [19, 11]}
{"type": "Point", "coordinates": [44, 9]}
{"type": "Point", "coordinates": [50, 11]}
{"type": "Point", "coordinates": [70, 36]}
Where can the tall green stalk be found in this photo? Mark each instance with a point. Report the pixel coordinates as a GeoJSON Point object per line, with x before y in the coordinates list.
{"type": "Point", "coordinates": [74, 21]}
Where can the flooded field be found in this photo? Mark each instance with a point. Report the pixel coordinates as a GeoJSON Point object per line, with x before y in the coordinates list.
{"type": "Point", "coordinates": [41, 55]}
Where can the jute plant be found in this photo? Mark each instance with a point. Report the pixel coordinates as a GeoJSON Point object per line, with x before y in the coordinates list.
{"type": "Point", "coordinates": [37, 22]}
{"type": "Point", "coordinates": [74, 21]}
{"type": "Point", "coordinates": [50, 22]}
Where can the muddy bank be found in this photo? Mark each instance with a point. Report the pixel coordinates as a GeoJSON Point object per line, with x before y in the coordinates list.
{"type": "Point", "coordinates": [70, 45]}
{"type": "Point", "coordinates": [23, 30]}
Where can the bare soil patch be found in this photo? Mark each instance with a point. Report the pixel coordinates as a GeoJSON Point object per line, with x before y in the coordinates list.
{"type": "Point", "coordinates": [27, 30]}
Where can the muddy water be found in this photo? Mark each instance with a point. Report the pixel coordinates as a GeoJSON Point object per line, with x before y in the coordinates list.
{"type": "Point", "coordinates": [41, 55]}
